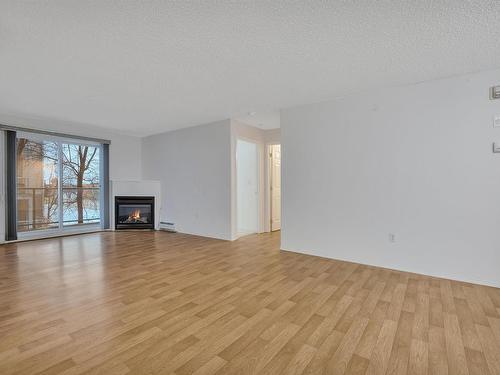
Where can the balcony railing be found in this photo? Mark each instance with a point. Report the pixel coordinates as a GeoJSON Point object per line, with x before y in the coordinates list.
{"type": "Point", "coordinates": [38, 208]}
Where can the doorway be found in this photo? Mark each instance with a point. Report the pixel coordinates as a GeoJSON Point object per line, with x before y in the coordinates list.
{"type": "Point", "coordinates": [247, 187]}
{"type": "Point", "coordinates": [275, 186]}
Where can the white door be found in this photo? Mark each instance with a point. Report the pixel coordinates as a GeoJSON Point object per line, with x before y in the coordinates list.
{"type": "Point", "coordinates": [247, 186]}
{"type": "Point", "coordinates": [275, 187]}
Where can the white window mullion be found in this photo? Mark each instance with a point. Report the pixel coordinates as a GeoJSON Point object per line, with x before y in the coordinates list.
{"type": "Point", "coordinates": [60, 185]}
{"type": "Point", "coordinates": [101, 190]}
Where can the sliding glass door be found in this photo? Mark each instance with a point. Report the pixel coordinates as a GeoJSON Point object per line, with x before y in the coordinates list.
{"type": "Point", "coordinates": [37, 164]}
{"type": "Point", "coordinates": [80, 184]}
{"type": "Point", "coordinates": [58, 184]}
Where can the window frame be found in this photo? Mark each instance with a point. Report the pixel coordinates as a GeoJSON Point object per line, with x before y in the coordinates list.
{"type": "Point", "coordinates": [68, 229]}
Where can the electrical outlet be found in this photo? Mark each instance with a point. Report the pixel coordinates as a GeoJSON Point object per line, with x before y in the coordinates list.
{"type": "Point", "coordinates": [392, 237]}
{"type": "Point", "coordinates": [496, 121]}
{"type": "Point", "coordinates": [495, 92]}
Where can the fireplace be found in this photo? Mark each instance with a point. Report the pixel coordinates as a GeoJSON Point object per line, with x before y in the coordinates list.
{"type": "Point", "coordinates": [134, 212]}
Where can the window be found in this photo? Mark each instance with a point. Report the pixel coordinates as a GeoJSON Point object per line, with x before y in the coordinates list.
{"type": "Point", "coordinates": [80, 184]}
{"type": "Point", "coordinates": [37, 185]}
{"type": "Point", "coordinates": [58, 184]}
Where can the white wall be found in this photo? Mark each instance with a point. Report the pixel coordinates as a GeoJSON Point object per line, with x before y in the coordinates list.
{"type": "Point", "coordinates": [194, 168]}
{"type": "Point", "coordinates": [247, 186]}
{"type": "Point", "coordinates": [415, 161]}
{"type": "Point", "coordinates": [124, 157]}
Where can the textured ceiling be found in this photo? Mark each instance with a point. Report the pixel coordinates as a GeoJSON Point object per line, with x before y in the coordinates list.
{"type": "Point", "coordinates": [144, 67]}
{"type": "Point", "coordinates": [263, 120]}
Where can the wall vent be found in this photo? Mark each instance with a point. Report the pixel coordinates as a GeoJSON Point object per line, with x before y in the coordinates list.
{"type": "Point", "coordinates": [167, 226]}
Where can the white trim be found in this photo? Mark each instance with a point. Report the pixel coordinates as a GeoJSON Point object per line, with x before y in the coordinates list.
{"type": "Point", "coordinates": [54, 138]}
{"type": "Point", "coordinates": [56, 232]}
{"type": "Point", "coordinates": [60, 195]}
{"type": "Point", "coordinates": [267, 189]}
{"type": "Point", "coordinates": [269, 181]}
{"type": "Point", "coordinates": [55, 235]}
{"type": "Point", "coordinates": [80, 138]}
{"type": "Point", "coordinates": [102, 208]}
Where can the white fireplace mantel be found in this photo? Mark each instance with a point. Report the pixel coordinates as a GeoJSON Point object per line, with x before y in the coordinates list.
{"type": "Point", "coordinates": [144, 188]}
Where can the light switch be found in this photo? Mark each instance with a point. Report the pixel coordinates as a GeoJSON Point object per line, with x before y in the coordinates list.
{"type": "Point", "coordinates": [496, 147]}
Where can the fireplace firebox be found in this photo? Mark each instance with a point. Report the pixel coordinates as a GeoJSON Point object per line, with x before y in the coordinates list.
{"type": "Point", "coordinates": [134, 212]}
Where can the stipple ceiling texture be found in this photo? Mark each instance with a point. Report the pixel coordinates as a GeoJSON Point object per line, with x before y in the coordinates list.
{"type": "Point", "coordinates": [144, 67]}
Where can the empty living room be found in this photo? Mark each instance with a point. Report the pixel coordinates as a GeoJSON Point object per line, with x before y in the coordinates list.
{"type": "Point", "coordinates": [249, 187]}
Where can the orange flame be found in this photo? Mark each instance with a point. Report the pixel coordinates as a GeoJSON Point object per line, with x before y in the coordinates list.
{"type": "Point", "coordinates": [136, 215]}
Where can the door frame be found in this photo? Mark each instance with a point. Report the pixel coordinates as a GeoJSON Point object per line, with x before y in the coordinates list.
{"type": "Point", "coordinates": [259, 182]}
{"type": "Point", "coordinates": [2, 187]}
{"type": "Point", "coordinates": [269, 184]}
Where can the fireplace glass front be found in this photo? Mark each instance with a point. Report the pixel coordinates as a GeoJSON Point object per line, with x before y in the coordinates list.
{"type": "Point", "coordinates": [134, 212]}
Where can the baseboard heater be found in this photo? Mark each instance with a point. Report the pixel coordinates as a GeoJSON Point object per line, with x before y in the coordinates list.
{"type": "Point", "coordinates": [167, 226]}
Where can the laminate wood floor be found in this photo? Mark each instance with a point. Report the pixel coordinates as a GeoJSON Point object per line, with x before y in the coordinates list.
{"type": "Point", "coordinates": [155, 302]}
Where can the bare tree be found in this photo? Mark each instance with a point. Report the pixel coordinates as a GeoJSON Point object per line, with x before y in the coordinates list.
{"type": "Point", "coordinates": [79, 169]}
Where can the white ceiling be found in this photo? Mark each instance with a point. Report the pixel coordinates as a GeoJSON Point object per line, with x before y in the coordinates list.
{"type": "Point", "coordinates": [144, 67]}
{"type": "Point", "coordinates": [262, 120]}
